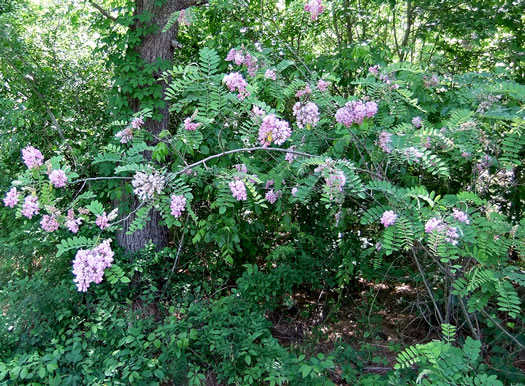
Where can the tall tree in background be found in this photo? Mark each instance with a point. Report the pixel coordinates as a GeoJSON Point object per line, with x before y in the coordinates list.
{"type": "Point", "coordinates": [150, 50]}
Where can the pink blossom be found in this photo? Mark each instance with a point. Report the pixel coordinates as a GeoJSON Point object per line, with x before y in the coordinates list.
{"type": "Point", "coordinates": [389, 218]}
{"type": "Point", "coordinates": [102, 221]}
{"type": "Point", "coordinates": [272, 196]}
{"type": "Point", "coordinates": [30, 207]}
{"type": "Point", "coordinates": [371, 109]}
{"type": "Point", "coordinates": [33, 158]}
{"type": "Point", "coordinates": [385, 139]}
{"type": "Point", "coordinates": [137, 122]}
{"type": "Point", "coordinates": [251, 64]}
{"type": "Point", "coordinates": [241, 168]}
{"type": "Point", "coordinates": [374, 70]}
{"type": "Point", "coordinates": [189, 125]}
{"type": "Point", "coordinates": [89, 265]}
{"type": "Point", "coordinates": [238, 190]}
{"type": "Point", "coordinates": [315, 8]}
{"type": "Point", "coordinates": [235, 56]}
{"type": "Point", "coordinates": [177, 205]}
{"type": "Point", "coordinates": [49, 223]}
{"type": "Point", "coordinates": [434, 224]}
{"type": "Point", "coordinates": [306, 114]}
{"type": "Point", "coordinates": [290, 157]}
{"type": "Point", "coordinates": [125, 135]}
{"type": "Point", "coordinates": [460, 216]}
{"type": "Point", "coordinates": [417, 122]}
{"type": "Point", "coordinates": [235, 81]}
{"type": "Point", "coordinates": [72, 223]}
{"type": "Point", "coordinates": [294, 191]}
{"type": "Point", "coordinates": [323, 85]}
{"type": "Point", "coordinates": [270, 74]}
{"type": "Point", "coordinates": [146, 186]}
{"type": "Point", "coordinates": [306, 91]}
{"type": "Point", "coordinates": [11, 198]}
{"type": "Point", "coordinates": [452, 235]}
{"type": "Point", "coordinates": [258, 112]}
{"type": "Point", "coordinates": [182, 19]}
{"type": "Point", "coordinates": [335, 182]}
{"type": "Point", "coordinates": [465, 154]}
{"type": "Point", "coordinates": [355, 112]}
{"type": "Point", "coordinates": [269, 184]}
{"type": "Point", "coordinates": [58, 178]}
{"type": "Point", "coordinates": [273, 130]}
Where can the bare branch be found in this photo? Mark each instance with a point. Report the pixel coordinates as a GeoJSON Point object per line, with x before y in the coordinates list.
{"type": "Point", "coordinates": [102, 10]}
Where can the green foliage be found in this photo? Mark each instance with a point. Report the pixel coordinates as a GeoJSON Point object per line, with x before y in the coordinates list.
{"type": "Point", "coordinates": [441, 363]}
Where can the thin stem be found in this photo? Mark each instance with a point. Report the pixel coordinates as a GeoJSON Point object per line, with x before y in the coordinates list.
{"type": "Point", "coordinates": [259, 148]}
{"type": "Point", "coordinates": [427, 286]}
{"type": "Point", "coordinates": [101, 179]}
{"type": "Point", "coordinates": [512, 337]}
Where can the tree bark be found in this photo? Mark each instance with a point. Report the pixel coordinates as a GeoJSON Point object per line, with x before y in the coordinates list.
{"type": "Point", "coordinates": [153, 47]}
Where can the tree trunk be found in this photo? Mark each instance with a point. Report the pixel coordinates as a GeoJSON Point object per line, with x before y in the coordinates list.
{"type": "Point", "coordinates": [155, 46]}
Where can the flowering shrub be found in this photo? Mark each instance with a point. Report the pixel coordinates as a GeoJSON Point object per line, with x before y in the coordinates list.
{"type": "Point", "coordinates": [370, 159]}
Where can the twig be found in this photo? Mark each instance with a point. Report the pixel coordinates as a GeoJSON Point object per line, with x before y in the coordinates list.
{"type": "Point", "coordinates": [101, 179]}
{"type": "Point", "coordinates": [427, 286]}
{"type": "Point", "coordinates": [101, 10]}
{"type": "Point", "coordinates": [259, 148]}
{"type": "Point", "coordinates": [512, 337]}
{"type": "Point", "coordinates": [129, 215]}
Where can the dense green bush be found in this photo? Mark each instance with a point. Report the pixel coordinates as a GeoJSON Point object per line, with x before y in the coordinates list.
{"type": "Point", "coordinates": [324, 162]}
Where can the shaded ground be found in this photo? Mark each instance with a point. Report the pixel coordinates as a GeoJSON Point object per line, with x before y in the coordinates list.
{"type": "Point", "coordinates": [377, 321]}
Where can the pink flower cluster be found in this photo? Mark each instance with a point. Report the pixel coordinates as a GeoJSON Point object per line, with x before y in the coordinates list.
{"type": "Point", "coordinates": [72, 223]}
{"type": "Point", "coordinates": [315, 8]}
{"type": "Point", "coordinates": [355, 112]}
{"type": "Point", "coordinates": [388, 218]}
{"type": "Point", "coordinates": [147, 185]}
{"type": "Point", "coordinates": [272, 196]}
{"type": "Point", "coordinates": [294, 191]}
{"type": "Point", "coordinates": [183, 19]}
{"type": "Point", "coordinates": [306, 91]}
{"type": "Point", "coordinates": [238, 190]}
{"type": "Point", "coordinates": [239, 57]}
{"type": "Point", "coordinates": [417, 122]}
{"type": "Point", "coordinates": [102, 221]}
{"type": "Point", "coordinates": [335, 182]}
{"type": "Point", "coordinates": [58, 178]}
{"type": "Point", "coordinates": [177, 205]}
{"type": "Point", "coordinates": [89, 265]}
{"type": "Point", "coordinates": [33, 158]}
{"type": "Point", "coordinates": [385, 140]}
{"type": "Point", "coordinates": [30, 207]}
{"type": "Point", "coordinates": [436, 225]}
{"type": "Point", "coordinates": [49, 223]}
{"type": "Point", "coordinates": [11, 198]}
{"type": "Point", "coordinates": [270, 74]}
{"type": "Point", "coordinates": [273, 130]}
{"type": "Point", "coordinates": [235, 82]}
{"type": "Point", "coordinates": [189, 125]}
{"type": "Point", "coordinates": [258, 112]}
{"type": "Point", "coordinates": [126, 135]}
{"type": "Point", "coordinates": [374, 70]}
{"type": "Point", "coordinates": [241, 168]}
{"type": "Point", "coordinates": [290, 157]}
{"type": "Point", "coordinates": [323, 85]}
{"type": "Point", "coordinates": [306, 114]}
{"type": "Point", "coordinates": [460, 216]}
